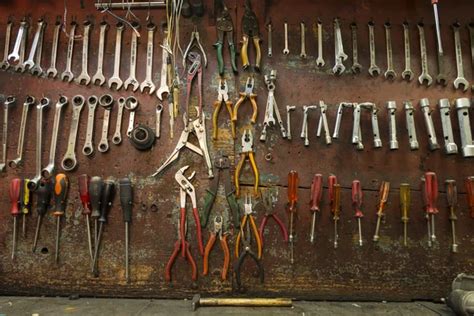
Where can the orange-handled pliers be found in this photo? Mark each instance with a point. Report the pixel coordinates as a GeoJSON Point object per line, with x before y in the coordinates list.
{"type": "Point", "coordinates": [181, 245]}
{"type": "Point", "coordinates": [222, 98]}
{"type": "Point", "coordinates": [248, 93]}
{"type": "Point", "coordinates": [247, 151]}
{"type": "Point", "coordinates": [248, 220]}
{"type": "Point", "coordinates": [218, 230]}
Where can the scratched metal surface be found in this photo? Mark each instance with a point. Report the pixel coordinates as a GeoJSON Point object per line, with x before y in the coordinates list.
{"type": "Point", "coordinates": [387, 271]}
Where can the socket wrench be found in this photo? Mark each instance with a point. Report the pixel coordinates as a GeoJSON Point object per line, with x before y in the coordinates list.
{"type": "Point", "coordinates": [450, 146]}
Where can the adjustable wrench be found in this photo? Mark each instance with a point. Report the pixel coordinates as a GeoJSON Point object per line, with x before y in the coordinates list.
{"type": "Point", "coordinates": [159, 110]}
{"type": "Point", "coordinates": [52, 72]}
{"type": "Point", "coordinates": [450, 146]}
{"type": "Point", "coordinates": [425, 108]}
{"type": "Point", "coordinates": [69, 160]}
{"type": "Point", "coordinates": [106, 102]}
{"type": "Point", "coordinates": [304, 129]}
{"type": "Point", "coordinates": [392, 124]}
{"type": "Point", "coordinates": [4, 65]}
{"type": "Point", "coordinates": [356, 66]}
{"type": "Point", "coordinates": [323, 123]}
{"type": "Point", "coordinates": [286, 50]}
{"type": "Point", "coordinates": [99, 78]}
{"type": "Point", "coordinates": [270, 31]}
{"type": "Point", "coordinates": [374, 70]}
{"type": "Point", "coordinates": [148, 83]}
{"type": "Point", "coordinates": [303, 40]}
{"type": "Point", "coordinates": [425, 77]}
{"type": "Point", "coordinates": [30, 62]}
{"type": "Point", "coordinates": [390, 74]}
{"type": "Point", "coordinates": [467, 145]}
{"type": "Point", "coordinates": [460, 82]}
{"type": "Point", "coordinates": [67, 75]}
{"type": "Point", "coordinates": [40, 107]}
{"type": "Point", "coordinates": [411, 128]}
{"type": "Point", "coordinates": [47, 172]}
{"type": "Point", "coordinates": [14, 57]}
{"type": "Point", "coordinates": [7, 103]}
{"type": "Point", "coordinates": [340, 110]}
{"type": "Point", "coordinates": [407, 74]}
{"type": "Point", "coordinates": [471, 36]}
{"type": "Point", "coordinates": [115, 79]}
{"type": "Point", "coordinates": [132, 78]}
{"type": "Point", "coordinates": [117, 138]}
{"type": "Point", "coordinates": [88, 148]}
{"type": "Point", "coordinates": [289, 108]}
{"type": "Point", "coordinates": [164, 89]}
{"type": "Point", "coordinates": [84, 77]}
{"type": "Point", "coordinates": [21, 135]}
{"type": "Point", "coordinates": [131, 105]}
{"type": "Point", "coordinates": [320, 60]}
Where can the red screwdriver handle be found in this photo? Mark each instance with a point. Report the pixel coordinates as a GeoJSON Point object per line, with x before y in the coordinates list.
{"type": "Point", "coordinates": [15, 185]}
{"type": "Point", "coordinates": [469, 183]}
{"type": "Point", "coordinates": [83, 181]}
{"type": "Point", "coordinates": [316, 192]}
{"type": "Point", "coordinates": [332, 180]}
{"type": "Point", "coordinates": [431, 191]}
{"type": "Point", "coordinates": [357, 198]}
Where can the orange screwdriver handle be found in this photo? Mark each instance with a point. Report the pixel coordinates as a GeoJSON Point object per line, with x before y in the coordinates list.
{"type": "Point", "coordinates": [383, 197]}
{"type": "Point", "coordinates": [61, 187]}
{"type": "Point", "coordinates": [431, 191]}
{"type": "Point", "coordinates": [292, 190]}
{"type": "Point", "coordinates": [316, 192]}
{"type": "Point", "coordinates": [469, 183]}
{"type": "Point", "coordinates": [15, 185]}
{"type": "Point", "coordinates": [357, 198]}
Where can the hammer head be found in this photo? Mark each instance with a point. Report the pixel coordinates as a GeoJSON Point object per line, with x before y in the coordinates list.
{"type": "Point", "coordinates": [195, 301]}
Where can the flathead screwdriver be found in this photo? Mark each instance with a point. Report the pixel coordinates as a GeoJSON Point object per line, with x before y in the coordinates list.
{"type": "Point", "coordinates": [405, 201]}
{"type": "Point", "coordinates": [25, 203]}
{"type": "Point", "coordinates": [430, 195]}
{"type": "Point", "coordinates": [469, 184]}
{"type": "Point", "coordinates": [126, 201]}
{"type": "Point", "coordinates": [452, 199]}
{"type": "Point", "coordinates": [83, 183]}
{"type": "Point", "coordinates": [61, 188]}
{"type": "Point", "coordinates": [383, 197]}
{"type": "Point", "coordinates": [96, 186]}
{"type": "Point", "coordinates": [356, 204]}
{"type": "Point", "coordinates": [334, 205]}
{"type": "Point", "coordinates": [316, 195]}
{"type": "Point", "coordinates": [43, 198]}
{"type": "Point", "coordinates": [15, 185]}
{"type": "Point", "coordinates": [292, 201]}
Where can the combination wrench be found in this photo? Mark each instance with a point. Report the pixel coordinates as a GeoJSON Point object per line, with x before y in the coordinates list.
{"type": "Point", "coordinates": [460, 82]}
{"type": "Point", "coordinates": [52, 72]}
{"type": "Point", "coordinates": [450, 146]}
{"type": "Point", "coordinates": [159, 111]}
{"type": "Point", "coordinates": [286, 50]}
{"type": "Point", "coordinates": [21, 135]}
{"type": "Point", "coordinates": [10, 101]}
{"type": "Point", "coordinates": [425, 77]}
{"type": "Point", "coordinates": [67, 75]}
{"type": "Point", "coordinates": [339, 54]}
{"type": "Point", "coordinates": [132, 78]}
{"type": "Point", "coordinates": [69, 161]}
{"type": "Point", "coordinates": [303, 40]}
{"type": "Point", "coordinates": [88, 148]}
{"type": "Point", "coordinates": [320, 60]}
{"type": "Point", "coordinates": [427, 111]}
{"type": "Point", "coordinates": [49, 169]}
{"type": "Point", "coordinates": [117, 138]}
{"type": "Point", "coordinates": [20, 67]}
{"type": "Point", "coordinates": [14, 57]}
{"type": "Point", "coordinates": [115, 79]}
{"type": "Point", "coordinates": [164, 89]}
{"type": "Point", "coordinates": [99, 78]}
{"type": "Point", "coordinates": [36, 70]}
{"type": "Point", "coordinates": [131, 105]}
{"type": "Point", "coordinates": [411, 127]}
{"type": "Point", "coordinates": [289, 109]}
{"type": "Point", "coordinates": [106, 102]}
{"type": "Point", "coordinates": [407, 74]}
{"type": "Point", "coordinates": [84, 77]}
{"type": "Point", "coordinates": [30, 62]}
{"type": "Point", "coordinates": [356, 66]}
{"type": "Point", "coordinates": [148, 83]}
{"type": "Point", "coordinates": [374, 70]}
{"type": "Point", "coordinates": [4, 65]}
{"type": "Point", "coordinates": [390, 74]}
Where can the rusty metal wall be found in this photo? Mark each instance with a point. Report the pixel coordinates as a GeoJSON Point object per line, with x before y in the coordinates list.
{"type": "Point", "coordinates": [372, 272]}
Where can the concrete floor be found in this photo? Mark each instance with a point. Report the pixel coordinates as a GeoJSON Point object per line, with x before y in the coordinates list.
{"type": "Point", "coordinates": [92, 306]}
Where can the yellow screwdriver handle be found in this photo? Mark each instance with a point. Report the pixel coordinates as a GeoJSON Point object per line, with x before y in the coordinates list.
{"type": "Point", "coordinates": [405, 201]}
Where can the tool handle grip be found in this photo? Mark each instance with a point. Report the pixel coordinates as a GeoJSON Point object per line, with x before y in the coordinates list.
{"type": "Point", "coordinates": [15, 185]}
{"type": "Point", "coordinates": [332, 180]}
{"type": "Point", "coordinates": [106, 200]}
{"type": "Point", "coordinates": [258, 52]}
{"type": "Point", "coordinates": [243, 52]}
{"type": "Point", "coordinates": [316, 192]}
{"type": "Point", "coordinates": [431, 191]}
{"type": "Point", "coordinates": [451, 193]}
{"type": "Point", "coordinates": [96, 187]}
{"type": "Point", "coordinates": [292, 190]}
{"type": "Point", "coordinates": [83, 182]}
{"type": "Point", "coordinates": [469, 184]}
{"type": "Point", "coordinates": [25, 197]}
{"type": "Point", "coordinates": [126, 199]}
{"type": "Point", "coordinates": [61, 188]}
{"type": "Point", "coordinates": [357, 198]}
{"type": "Point", "coordinates": [233, 55]}
{"type": "Point", "coordinates": [405, 200]}
{"type": "Point", "coordinates": [220, 58]}
{"type": "Point", "coordinates": [43, 197]}
{"type": "Point", "coordinates": [336, 209]}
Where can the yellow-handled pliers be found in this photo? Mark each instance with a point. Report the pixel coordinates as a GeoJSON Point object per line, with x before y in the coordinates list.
{"type": "Point", "coordinates": [250, 30]}
{"type": "Point", "coordinates": [222, 98]}
{"type": "Point", "coordinates": [248, 224]}
{"type": "Point", "coordinates": [247, 94]}
{"type": "Point", "coordinates": [247, 152]}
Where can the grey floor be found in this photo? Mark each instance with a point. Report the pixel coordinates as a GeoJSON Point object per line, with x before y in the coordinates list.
{"type": "Point", "coordinates": [92, 306]}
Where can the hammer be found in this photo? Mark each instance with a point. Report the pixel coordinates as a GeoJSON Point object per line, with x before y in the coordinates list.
{"type": "Point", "coordinates": [253, 302]}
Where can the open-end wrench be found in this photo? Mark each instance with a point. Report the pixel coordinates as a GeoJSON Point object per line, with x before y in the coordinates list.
{"type": "Point", "coordinates": [106, 102]}
{"type": "Point", "coordinates": [67, 75]}
{"type": "Point", "coordinates": [164, 89]}
{"type": "Point", "coordinates": [132, 78]}
{"type": "Point", "coordinates": [115, 79]}
{"type": "Point", "coordinates": [148, 83]}
{"type": "Point", "coordinates": [303, 40]}
{"type": "Point", "coordinates": [84, 77]}
{"type": "Point", "coordinates": [411, 127]}
{"type": "Point", "coordinates": [425, 77]}
{"type": "Point", "coordinates": [21, 135]}
{"type": "Point", "coordinates": [14, 57]}
{"type": "Point", "coordinates": [450, 146]}
{"type": "Point", "coordinates": [471, 36]}
{"type": "Point", "coordinates": [37, 70]}
{"type": "Point", "coordinates": [4, 65]}
{"type": "Point", "coordinates": [286, 49]}
{"type": "Point", "coordinates": [392, 124]}
{"type": "Point", "coordinates": [460, 82]}
{"type": "Point", "coordinates": [47, 172]}
{"type": "Point", "coordinates": [430, 130]}
{"type": "Point", "coordinates": [52, 72]}
{"type": "Point", "coordinates": [339, 56]}
{"type": "Point", "coordinates": [20, 67]}
{"type": "Point", "coordinates": [99, 78]}
{"type": "Point", "coordinates": [289, 108]}
{"type": "Point", "coordinates": [340, 49]}
{"type": "Point", "coordinates": [40, 107]}
{"type": "Point", "coordinates": [7, 103]}
{"type": "Point", "coordinates": [117, 138]}
{"type": "Point", "coordinates": [159, 110]}
{"type": "Point", "coordinates": [69, 161]}
{"type": "Point", "coordinates": [356, 66]}
{"type": "Point", "coordinates": [390, 74]}
{"type": "Point", "coordinates": [320, 60]}
{"type": "Point", "coordinates": [323, 123]}
{"type": "Point", "coordinates": [374, 70]}
{"type": "Point", "coordinates": [88, 148]}
{"type": "Point", "coordinates": [131, 105]}
{"type": "Point", "coordinates": [407, 74]}
{"type": "Point", "coordinates": [304, 128]}
{"type": "Point", "coordinates": [30, 62]}
{"type": "Point", "coordinates": [270, 33]}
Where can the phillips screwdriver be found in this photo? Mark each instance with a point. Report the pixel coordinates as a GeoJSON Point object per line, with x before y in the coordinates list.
{"type": "Point", "coordinates": [96, 187]}
{"type": "Point", "coordinates": [126, 201]}
{"type": "Point", "coordinates": [430, 197]}
{"type": "Point", "coordinates": [334, 203]}
{"type": "Point", "coordinates": [356, 204]}
{"type": "Point", "coordinates": [61, 188]}
{"type": "Point", "coordinates": [405, 201]}
{"type": "Point", "coordinates": [25, 204]}
{"type": "Point", "coordinates": [452, 198]}
{"type": "Point", "coordinates": [83, 181]}
{"type": "Point", "coordinates": [43, 198]}
{"type": "Point", "coordinates": [469, 183]}
{"type": "Point", "coordinates": [316, 195]}
{"type": "Point", "coordinates": [292, 200]}
{"type": "Point", "coordinates": [15, 185]}
{"type": "Point", "coordinates": [383, 197]}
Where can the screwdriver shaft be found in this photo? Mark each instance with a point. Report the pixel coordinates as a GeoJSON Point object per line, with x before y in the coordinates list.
{"type": "Point", "coordinates": [38, 225]}
{"type": "Point", "coordinates": [360, 231]}
{"type": "Point", "coordinates": [23, 225]}
{"type": "Point", "coordinates": [58, 228]}
{"type": "Point", "coordinates": [291, 239]}
{"type": "Point", "coordinates": [89, 238]}
{"type": "Point", "coordinates": [405, 233]}
{"type": "Point", "coordinates": [428, 222]}
{"type": "Point", "coordinates": [433, 235]}
{"type": "Point", "coordinates": [313, 227]}
{"type": "Point", "coordinates": [14, 238]}
{"type": "Point", "coordinates": [377, 229]}
{"type": "Point", "coordinates": [96, 251]}
{"type": "Point", "coordinates": [336, 235]}
{"type": "Point", "coordinates": [127, 277]}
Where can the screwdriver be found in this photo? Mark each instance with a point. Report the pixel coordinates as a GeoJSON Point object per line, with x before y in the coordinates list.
{"type": "Point", "coordinates": [83, 181]}
{"type": "Point", "coordinates": [356, 204]}
{"type": "Point", "coordinates": [96, 187]}
{"type": "Point", "coordinates": [452, 198]}
{"type": "Point", "coordinates": [316, 195]}
{"type": "Point", "coordinates": [126, 201]}
{"type": "Point", "coordinates": [469, 183]}
{"type": "Point", "coordinates": [334, 204]}
{"type": "Point", "coordinates": [105, 203]}
{"type": "Point", "coordinates": [15, 185]}
{"type": "Point", "coordinates": [383, 197]}
{"type": "Point", "coordinates": [43, 197]}
{"type": "Point", "coordinates": [405, 201]}
{"type": "Point", "coordinates": [61, 187]}
{"type": "Point", "coordinates": [292, 200]}
{"type": "Point", "coordinates": [430, 194]}
{"type": "Point", "coordinates": [25, 203]}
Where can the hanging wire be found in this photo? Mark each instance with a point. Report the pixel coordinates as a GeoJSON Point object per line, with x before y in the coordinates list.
{"type": "Point", "coordinates": [64, 26]}
{"type": "Point", "coordinates": [107, 10]}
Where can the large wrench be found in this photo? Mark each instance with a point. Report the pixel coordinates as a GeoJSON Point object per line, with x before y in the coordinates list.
{"type": "Point", "coordinates": [339, 55]}
{"type": "Point", "coordinates": [374, 70]}
{"type": "Point", "coordinates": [148, 83]}
{"type": "Point", "coordinates": [52, 72]}
{"type": "Point", "coordinates": [30, 62]}
{"type": "Point", "coordinates": [99, 78]}
{"type": "Point", "coordinates": [88, 148]}
{"type": "Point", "coordinates": [164, 89]}
{"type": "Point", "coordinates": [36, 70]}
{"type": "Point", "coordinates": [69, 161]}
{"type": "Point", "coordinates": [14, 57]}
{"type": "Point", "coordinates": [286, 50]}
{"type": "Point", "coordinates": [67, 75]}
{"type": "Point", "coordinates": [84, 77]}
{"type": "Point", "coordinates": [4, 65]}
{"type": "Point", "coordinates": [106, 101]}
{"type": "Point", "coordinates": [356, 66]}
{"type": "Point", "coordinates": [320, 60]}
{"type": "Point", "coordinates": [425, 77]}
{"type": "Point", "coordinates": [49, 169]}
{"type": "Point", "coordinates": [20, 65]}
{"type": "Point", "coordinates": [407, 74]}
{"type": "Point", "coordinates": [21, 135]}
{"type": "Point", "coordinates": [460, 82]}
{"type": "Point", "coordinates": [115, 79]}
{"type": "Point", "coordinates": [117, 138]}
{"type": "Point", "coordinates": [9, 102]}
{"type": "Point", "coordinates": [131, 105]}
{"type": "Point", "coordinates": [390, 74]}
{"type": "Point", "coordinates": [132, 78]}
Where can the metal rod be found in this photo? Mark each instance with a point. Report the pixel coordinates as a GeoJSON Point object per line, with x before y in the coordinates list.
{"type": "Point", "coordinates": [129, 5]}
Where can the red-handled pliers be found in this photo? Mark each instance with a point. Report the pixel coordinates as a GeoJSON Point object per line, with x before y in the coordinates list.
{"type": "Point", "coordinates": [269, 200]}
{"type": "Point", "coordinates": [181, 244]}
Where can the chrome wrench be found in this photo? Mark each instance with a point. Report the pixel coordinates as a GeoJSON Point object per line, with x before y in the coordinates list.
{"type": "Point", "coordinates": [159, 110]}
{"type": "Point", "coordinates": [340, 111]}
{"type": "Point", "coordinates": [117, 138]}
{"type": "Point", "coordinates": [69, 161]}
{"type": "Point", "coordinates": [132, 78]}
{"type": "Point", "coordinates": [148, 83]}
{"type": "Point", "coordinates": [164, 89]}
{"type": "Point", "coordinates": [67, 75]}
{"type": "Point", "coordinates": [4, 65]}
{"type": "Point", "coordinates": [339, 67]}
{"type": "Point", "coordinates": [9, 102]}
{"type": "Point", "coordinates": [374, 70]}
{"type": "Point", "coordinates": [450, 146]}
{"type": "Point", "coordinates": [460, 82]}
{"type": "Point", "coordinates": [84, 77]}
{"type": "Point", "coordinates": [30, 62]}
{"type": "Point", "coordinates": [390, 74]}
{"type": "Point", "coordinates": [99, 78]}
{"type": "Point", "coordinates": [323, 123]}
{"type": "Point", "coordinates": [304, 128]}
{"type": "Point", "coordinates": [52, 72]}
{"type": "Point", "coordinates": [303, 40]}
{"type": "Point", "coordinates": [115, 79]}
{"type": "Point", "coordinates": [14, 57]}
{"type": "Point", "coordinates": [289, 108]}
{"type": "Point", "coordinates": [21, 135]}
{"type": "Point", "coordinates": [286, 50]}
{"type": "Point", "coordinates": [356, 66]}
{"type": "Point", "coordinates": [407, 74]}
{"type": "Point", "coordinates": [411, 127]}
{"type": "Point", "coordinates": [20, 65]}
{"type": "Point", "coordinates": [88, 148]}
{"type": "Point", "coordinates": [131, 105]}
{"type": "Point", "coordinates": [426, 109]}
{"type": "Point", "coordinates": [320, 60]}
{"type": "Point", "coordinates": [425, 77]}
{"type": "Point", "coordinates": [467, 144]}
{"type": "Point", "coordinates": [36, 70]}
{"type": "Point", "coordinates": [106, 102]}
{"type": "Point", "coordinates": [392, 124]}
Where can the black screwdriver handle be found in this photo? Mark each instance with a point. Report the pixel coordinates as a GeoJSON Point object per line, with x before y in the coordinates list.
{"type": "Point", "coordinates": [43, 197]}
{"type": "Point", "coordinates": [96, 187]}
{"type": "Point", "coordinates": [126, 198]}
{"type": "Point", "coordinates": [107, 198]}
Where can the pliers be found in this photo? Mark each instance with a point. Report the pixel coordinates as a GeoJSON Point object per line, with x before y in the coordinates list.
{"type": "Point", "coordinates": [269, 201]}
{"type": "Point", "coordinates": [218, 230]}
{"type": "Point", "coordinates": [181, 245]}
{"type": "Point", "coordinates": [224, 25]}
{"type": "Point", "coordinates": [248, 222]}
{"type": "Point", "coordinates": [247, 152]}
{"type": "Point", "coordinates": [250, 30]}
{"type": "Point", "coordinates": [248, 93]}
{"type": "Point", "coordinates": [222, 98]}
{"type": "Point", "coordinates": [194, 37]}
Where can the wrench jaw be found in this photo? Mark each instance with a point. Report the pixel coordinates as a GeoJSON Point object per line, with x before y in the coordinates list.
{"type": "Point", "coordinates": [147, 85]}
{"type": "Point", "coordinates": [461, 84]}
{"type": "Point", "coordinates": [407, 75]}
{"type": "Point", "coordinates": [67, 76]}
{"type": "Point", "coordinates": [98, 79]}
{"type": "Point", "coordinates": [390, 74]}
{"type": "Point", "coordinates": [425, 79]}
{"type": "Point", "coordinates": [131, 82]}
{"type": "Point", "coordinates": [83, 79]}
{"type": "Point", "coordinates": [51, 73]}
{"type": "Point", "coordinates": [356, 68]}
{"type": "Point", "coordinates": [115, 81]}
{"type": "Point", "coordinates": [374, 71]}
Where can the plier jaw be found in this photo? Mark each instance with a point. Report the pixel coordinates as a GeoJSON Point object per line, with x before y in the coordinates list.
{"type": "Point", "coordinates": [186, 187]}
{"type": "Point", "coordinates": [247, 152]}
{"type": "Point", "coordinates": [223, 91]}
{"type": "Point", "coordinates": [250, 30]}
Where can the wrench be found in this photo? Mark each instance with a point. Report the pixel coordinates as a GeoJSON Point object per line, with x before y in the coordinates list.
{"type": "Point", "coordinates": [49, 169]}
{"type": "Point", "coordinates": [14, 57]}
{"type": "Point", "coordinates": [340, 51]}
{"type": "Point", "coordinates": [460, 82]}
{"type": "Point", "coordinates": [148, 83]}
{"type": "Point", "coordinates": [84, 77]}
{"type": "Point", "coordinates": [374, 70]}
{"type": "Point", "coordinates": [52, 72]}
{"type": "Point", "coordinates": [323, 123]}
{"type": "Point", "coordinates": [356, 66]}
{"type": "Point", "coordinates": [392, 124]}
{"type": "Point", "coordinates": [69, 161]}
{"type": "Point", "coordinates": [270, 32]}
{"type": "Point", "coordinates": [88, 148]}
{"type": "Point", "coordinates": [289, 108]}
{"type": "Point", "coordinates": [20, 66]}
{"type": "Point", "coordinates": [425, 108]}
{"type": "Point", "coordinates": [9, 102]}
{"type": "Point", "coordinates": [132, 78]}
{"type": "Point", "coordinates": [159, 110]}
{"type": "Point", "coordinates": [425, 77]}
{"type": "Point", "coordinates": [106, 101]}
{"type": "Point", "coordinates": [164, 89]}
{"type": "Point", "coordinates": [99, 78]}
{"type": "Point", "coordinates": [411, 128]}
{"type": "Point", "coordinates": [467, 144]}
{"type": "Point", "coordinates": [286, 50]}
{"type": "Point", "coordinates": [21, 135]}
{"type": "Point", "coordinates": [449, 144]}
{"type": "Point", "coordinates": [340, 111]}
{"type": "Point", "coordinates": [390, 74]}
{"type": "Point", "coordinates": [131, 105]}
{"type": "Point", "coordinates": [36, 70]}
{"type": "Point", "coordinates": [40, 107]}
{"type": "Point", "coordinates": [115, 79]}
{"type": "Point", "coordinates": [117, 138]}
{"type": "Point", "coordinates": [471, 36]}
{"type": "Point", "coordinates": [303, 40]}
{"type": "Point", "coordinates": [30, 62]}
{"type": "Point", "coordinates": [339, 56]}
{"type": "Point", "coordinates": [356, 131]}
{"type": "Point", "coordinates": [4, 65]}
{"type": "Point", "coordinates": [320, 60]}
{"type": "Point", "coordinates": [67, 75]}
{"type": "Point", "coordinates": [304, 129]}
{"type": "Point", "coordinates": [407, 74]}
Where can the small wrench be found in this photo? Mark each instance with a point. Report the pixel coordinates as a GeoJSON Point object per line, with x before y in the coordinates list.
{"type": "Point", "coordinates": [14, 57]}
{"type": "Point", "coordinates": [390, 74]}
{"type": "Point", "coordinates": [69, 160]}
{"type": "Point", "coordinates": [356, 66]}
{"type": "Point", "coordinates": [460, 82]}
{"type": "Point", "coordinates": [289, 108]}
{"type": "Point", "coordinates": [407, 74]}
{"type": "Point", "coordinates": [450, 146]}
{"type": "Point", "coordinates": [411, 127]}
{"type": "Point", "coordinates": [320, 60]}
{"type": "Point", "coordinates": [164, 89]}
{"type": "Point", "coordinates": [67, 75]}
{"type": "Point", "coordinates": [270, 33]}
{"type": "Point", "coordinates": [303, 40]}
{"type": "Point", "coordinates": [131, 105]}
{"type": "Point", "coordinates": [88, 148]}
{"type": "Point", "coordinates": [425, 77]}
{"type": "Point", "coordinates": [117, 138]}
{"type": "Point", "coordinates": [4, 65]}
{"type": "Point", "coordinates": [426, 109]}
{"type": "Point", "coordinates": [304, 129]}
{"type": "Point", "coordinates": [52, 72]}
{"type": "Point", "coordinates": [148, 83]}
{"type": "Point", "coordinates": [323, 123]}
{"type": "Point", "coordinates": [159, 110]}
{"type": "Point", "coordinates": [132, 78]}
{"type": "Point", "coordinates": [340, 49]}
{"type": "Point", "coordinates": [84, 77]}
{"type": "Point", "coordinates": [286, 50]}
{"type": "Point", "coordinates": [99, 78]}
{"type": "Point", "coordinates": [106, 101]}
{"type": "Point", "coordinates": [21, 135]}
{"type": "Point", "coordinates": [115, 79]}
{"type": "Point", "coordinates": [30, 62]}
{"type": "Point", "coordinates": [374, 70]}
{"type": "Point", "coordinates": [9, 102]}
{"type": "Point", "coordinates": [40, 107]}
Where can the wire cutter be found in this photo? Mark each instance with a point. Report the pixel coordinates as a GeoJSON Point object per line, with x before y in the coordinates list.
{"type": "Point", "coordinates": [218, 230]}
{"type": "Point", "coordinates": [194, 69]}
{"type": "Point", "coordinates": [248, 220]}
{"type": "Point", "coordinates": [192, 44]}
{"type": "Point", "coordinates": [248, 93]}
{"type": "Point", "coordinates": [247, 152]}
{"type": "Point", "coordinates": [222, 98]}
{"type": "Point", "coordinates": [181, 245]}
{"type": "Point", "coordinates": [186, 188]}
{"type": "Point", "coordinates": [269, 200]}
{"type": "Point", "coordinates": [250, 31]}
{"type": "Point", "coordinates": [224, 25]}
